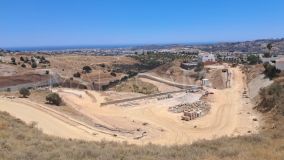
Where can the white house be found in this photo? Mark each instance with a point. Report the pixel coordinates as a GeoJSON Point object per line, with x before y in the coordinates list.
{"type": "Point", "coordinates": [207, 57]}
{"type": "Point", "coordinates": [279, 64]}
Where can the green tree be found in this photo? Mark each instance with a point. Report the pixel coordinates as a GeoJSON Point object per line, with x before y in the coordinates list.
{"type": "Point", "coordinates": [34, 65]}
{"type": "Point", "coordinates": [269, 47]}
{"type": "Point", "coordinates": [87, 69]}
{"type": "Point", "coordinates": [253, 59]}
{"type": "Point", "coordinates": [25, 92]}
{"type": "Point", "coordinates": [270, 70]}
{"type": "Point", "coordinates": [54, 98]}
{"type": "Point", "coordinates": [78, 75]}
{"type": "Point", "coordinates": [23, 65]}
{"type": "Point", "coordinates": [13, 60]}
{"type": "Point", "coordinates": [199, 67]}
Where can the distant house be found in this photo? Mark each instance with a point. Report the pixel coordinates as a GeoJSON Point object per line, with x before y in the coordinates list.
{"type": "Point", "coordinates": [207, 57]}
{"type": "Point", "coordinates": [279, 64]}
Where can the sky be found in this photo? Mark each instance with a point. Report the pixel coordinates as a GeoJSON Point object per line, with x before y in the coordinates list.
{"type": "Point", "coordinates": [33, 23]}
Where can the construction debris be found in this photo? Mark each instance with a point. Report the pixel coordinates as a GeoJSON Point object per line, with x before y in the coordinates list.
{"type": "Point", "coordinates": [192, 110]}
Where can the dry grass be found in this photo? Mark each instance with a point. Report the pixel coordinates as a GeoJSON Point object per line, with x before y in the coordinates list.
{"type": "Point", "coordinates": [137, 86]}
{"type": "Point", "coordinates": [21, 141]}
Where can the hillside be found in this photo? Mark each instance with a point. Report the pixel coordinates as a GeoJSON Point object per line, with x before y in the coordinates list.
{"type": "Point", "coordinates": [22, 141]}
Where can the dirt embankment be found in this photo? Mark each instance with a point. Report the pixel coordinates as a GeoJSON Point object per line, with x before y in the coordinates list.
{"type": "Point", "coordinates": [173, 72]}
{"type": "Point", "coordinates": [217, 78]}
{"type": "Point", "coordinates": [6, 81]}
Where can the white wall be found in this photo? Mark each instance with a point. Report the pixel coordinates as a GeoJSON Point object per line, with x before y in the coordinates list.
{"type": "Point", "coordinates": [208, 57]}
{"type": "Point", "coordinates": [280, 64]}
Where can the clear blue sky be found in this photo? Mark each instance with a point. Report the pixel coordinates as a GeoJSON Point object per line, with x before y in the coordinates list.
{"type": "Point", "coordinates": [26, 23]}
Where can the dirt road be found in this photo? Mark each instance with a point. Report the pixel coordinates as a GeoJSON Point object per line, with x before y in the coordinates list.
{"type": "Point", "coordinates": [50, 121]}
{"type": "Point", "coordinates": [230, 115]}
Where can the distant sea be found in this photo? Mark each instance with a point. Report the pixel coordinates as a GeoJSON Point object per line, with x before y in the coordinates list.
{"type": "Point", "coordinates": [60, 48]}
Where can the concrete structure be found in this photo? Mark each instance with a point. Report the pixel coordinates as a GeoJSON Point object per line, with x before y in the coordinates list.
{"type": "Point", "coordinates": [207, 57]}
{"type": "Point", "coordinates": [205, 82]}
{"type": "Point", "coordinates": [272, 59]}
{"type": "Point", "coordinates": [280, 64]}
{"type": "Point", "coordinates": [188, 66]}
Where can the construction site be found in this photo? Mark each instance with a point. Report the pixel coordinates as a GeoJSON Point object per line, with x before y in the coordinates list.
{"type": "Point", "coordinates": [178, 112]}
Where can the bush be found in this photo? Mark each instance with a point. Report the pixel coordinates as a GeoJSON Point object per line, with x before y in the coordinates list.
{"type": "Point", "coordinates": [25, 92]}
{"type": "Point", "coordinates": [78, 75]}
{"type": "Point", "coordinates": [26, 60]}
{"type": "Point", "coordinates": [102, 65]}
{"type": "Point", "coordinates": [253, 59]}
{"type": "Point", "coordinates": [23, 65]}
{"type": "Point", "coordinates": [34, 65]}
{"type": "Point", "coordinates": [87, 69]}
{"type": "Point", "coordinates": [270, 70]}
{"type": "Point", "coordinates": [199, 67]}
{"type": "Point", "coordinates": [113, 74]}
{"type": "Point", "coordinates": [272, 97]}
{"type": "Point", "coordinates": [22, 58]}
{"type": "Point", "coordinates": [13, 60]}
{"type": "Point", "coordinates": [47, 72]}
{"type": "Point", "coordinates": [54, 98]}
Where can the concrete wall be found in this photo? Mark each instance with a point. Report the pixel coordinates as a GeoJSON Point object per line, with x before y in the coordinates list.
{"type": "Point", "coordinates": [182, 86]}
{"type": "Point", "coordinates": [138, 98]}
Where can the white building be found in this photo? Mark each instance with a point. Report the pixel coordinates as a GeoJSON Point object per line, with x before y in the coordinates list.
{"type": "Point", "coordinates": [207, 57]}
{"type": "Point", "coordinates": [279, 64]}
{"type": "Point", "coordinates": [272, 59]}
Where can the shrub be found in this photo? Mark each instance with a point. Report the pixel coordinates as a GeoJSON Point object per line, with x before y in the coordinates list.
{"type": "Point", "coordinates": [13, 60]}
{"type": "Point", "coordinates": [113, 74]}
{"type": "Point", "coordinates": [25, 92]}
{"type": "Point", "coordinates": [199, 67]}
{"type": "Point", "coordinates": [54, 98]}
{"type": "Point", "coordinates": [102, 65]}
{"type": "Point", "coordinates": [272, 97]}
{"type": "Point", "coordinates": [22, 58]}
{"type": "Point", "coordinates": [23, 65]}
{"type": "Point", "coordinates": [253, 59]}
{"type": "Point", "coordinates": [47, 72]}
{"type": "Point", "coordinates": [87, 69]}
{"type": "Point", "coordinates": [131, 74]}
{"type": "Point", "coordinates": [270, 70]}
{"type": "Point", "coordinates": [26, 60]}
{"type": "Point", "coordinates": [34, 65]}
{"type": "Point", "coordinates": [78, 75]}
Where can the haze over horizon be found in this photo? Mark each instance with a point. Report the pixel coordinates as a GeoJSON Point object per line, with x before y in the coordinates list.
{"type": "Point", "coordinates": [73, 23]}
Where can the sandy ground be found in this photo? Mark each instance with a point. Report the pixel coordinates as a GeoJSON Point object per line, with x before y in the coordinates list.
{"type": "Point", "coordinates": [148, 121]}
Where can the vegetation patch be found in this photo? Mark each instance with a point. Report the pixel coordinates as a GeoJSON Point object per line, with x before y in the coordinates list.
{"type": "Point", "coordinates": [138, 86]}
{"type": "Point", "coordinates": [272, 97]}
